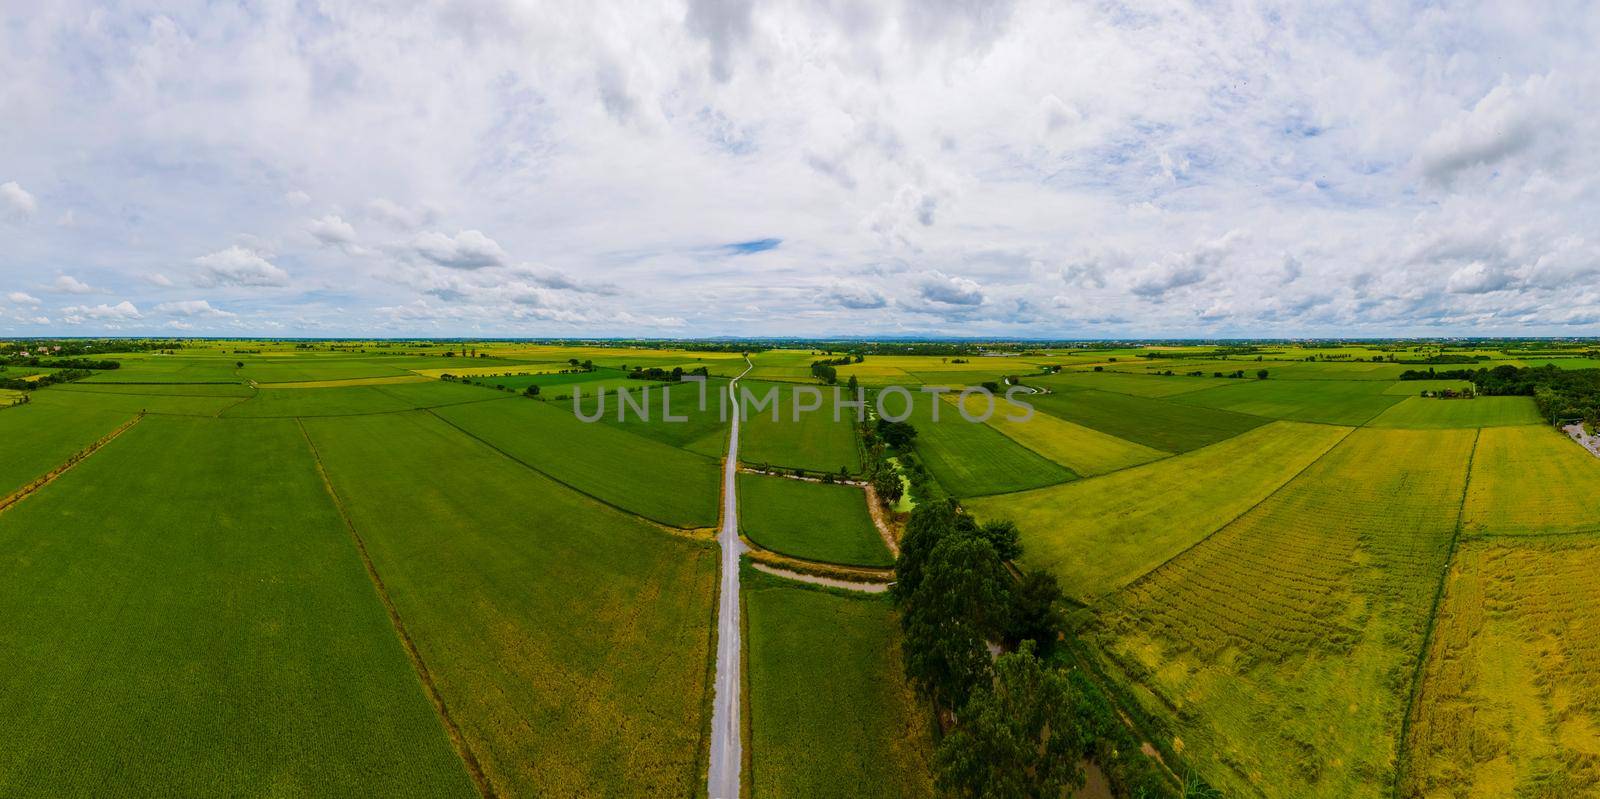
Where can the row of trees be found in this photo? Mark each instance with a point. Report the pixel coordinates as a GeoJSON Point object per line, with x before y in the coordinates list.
{"type": "Point", "coordinates": [1560, 394]}
{"type": "Point", "coordinates": [985, 647]}
{"type": "Point", "coordinates": [674, 376]}
{"type": "Point", "coordinates": [63, 376]}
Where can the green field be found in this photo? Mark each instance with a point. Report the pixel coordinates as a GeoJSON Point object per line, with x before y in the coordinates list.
{"type": "Point", "coordinates": [1100, 534]}
{"type": "Point", "coordinates": [39, 437]}
{"type": "Point", "coordinates": [678, 420]}
{"type": "Point", "coordinates": [1414, 388]}
{"type": "Point", "coordinates": [1123, 383]}
{"type": "Point", "coordinates": [1529, 481]}
{"type": "Point", "coordinates": [630, 472]}
{"type": "Point", "coordinates": [1158, 424]}
{"type": "Point", "coordinates": [1347, 402]}
{"type": "Point", "coordinates": [169, 404]}
{"type": "Point", "coordinates": [829, 712]}
{"type": "Point", "coordinates": [1281, 648]}
{"type": "Point", "coordinates": [1429, 413]}
{"type": "Point", "coordinates": [814, 441]}
{"type": "Point", "coordinates": [1083, 450]}
{"type": "Point", "coordinates": [191, 635]}
{"type": "Point", "coordinates": [343, 401]}
{"type": "Point", "coordinates": [973, 458]}
{"type": "Point", "coordinates": [569, 641]}
{"type": "Point", "coordinates": [812, 521]}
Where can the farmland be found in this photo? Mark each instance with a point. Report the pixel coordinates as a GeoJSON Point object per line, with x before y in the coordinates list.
{"type": "Point", "coordinates": [1342, 563]}
{"type": "Point", "coordinates": [829, 712]}
{"type": "Point", "coordinates": [813, 521]}
{"type": "Point", "coordinates": [1510, 699]}
{"type": "Point", "coordinates": [1318, 584]}
{"type": "Point", "coordinates": [1098, 535]}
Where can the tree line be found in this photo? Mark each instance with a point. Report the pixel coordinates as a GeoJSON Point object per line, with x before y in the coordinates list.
{"type": "Point", "coordinates": [985, 646]}
{"type": "Point", "coordinates": [1560, 394]}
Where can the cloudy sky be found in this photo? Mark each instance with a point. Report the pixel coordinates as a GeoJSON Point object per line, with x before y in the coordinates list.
{"type": "Point", "coordinates": [812, 167]}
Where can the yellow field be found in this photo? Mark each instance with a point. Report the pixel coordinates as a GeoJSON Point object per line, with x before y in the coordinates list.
{"type": "Point", "coordinates": [1282, 647]}
{"type": "Point", "coordinates": [1510, 697]}
{"type": "Point", "coordinates": [1099, 534]}
{"type": "Point", "coordinates": [1529, 480]}
{"type": "Point", "coordinates": [1083, 450]}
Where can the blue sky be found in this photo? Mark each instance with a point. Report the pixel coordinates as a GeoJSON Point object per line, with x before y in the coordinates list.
{"type": "Point", "coordinates": [810, 167]}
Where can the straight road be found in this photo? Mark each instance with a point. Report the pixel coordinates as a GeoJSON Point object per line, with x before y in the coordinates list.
{"type": "Point", "coordinates": [727, 747]}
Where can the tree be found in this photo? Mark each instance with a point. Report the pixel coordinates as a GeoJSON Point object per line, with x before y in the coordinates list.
{"type": "Point", "coordinates": [572, 361]}
{"type": "Point", "coordinates": [1261, 374]}
{"type": "Point", "coordinates": [1034, 615]}
{"type": "Point", "coordinates": [896, 434]}
{"type": "Point", "coordinates": [531, 391]}
{"type": "Point", "coordinates": [960, 603]}
{"type": "Point", "coordinates": [1023, 736]}
{"type": "Point", "coordinates": [886, 483]}
{"type": "Point", "coordinates": [853, 385]}
{"type": "Point", "coordinates": [1003, 535]}
{"type": "Point", "coordinates": [238, 364]}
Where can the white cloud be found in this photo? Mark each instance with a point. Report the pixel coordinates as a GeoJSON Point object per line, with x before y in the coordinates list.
{"type": "Point", "coordinates": [856, 296]}
{"type": "Point", "coordinates": [237, 266]}
{"type": "Point", "coordinates": [191, 308]}
{"type": "Point", "coordinates": [21, 298]}
{"type": "Point", "coordinates": [67, 284]}
{"type": "Point", "coordinates": [16, 202]}
{"type": "Point", "coordinates": [297, 198]}
{"type": "Point", "coordinates": [332, 231]}
{"type": "Point", "coordinates": [399, 216]}
{"type": "Point", "coordinates": [121, 312]}
{"type": "Point", "coordinates": [468, 249]}
{"type": "Point", "coordinates": [949, 289]}
{"type": "Point", "coordinates": [156, 278]}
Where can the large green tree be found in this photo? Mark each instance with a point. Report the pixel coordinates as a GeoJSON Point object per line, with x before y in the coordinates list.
{"type": "Point", "coordinates": [1026, 735]}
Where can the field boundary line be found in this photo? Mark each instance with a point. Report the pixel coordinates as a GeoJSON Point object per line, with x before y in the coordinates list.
{"type": "Point", "coordinates": [76, 458]}
{"type": "Point", "coordinates": [1402, 759]}
{"type": "Point", "coordinates": [1258, 503]}
{"type": "Point", "coordinates": [452, 730]}
{"type": "Point", "coordinates": [543, 473]}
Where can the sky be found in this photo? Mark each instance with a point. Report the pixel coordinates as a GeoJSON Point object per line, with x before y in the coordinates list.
{"type": "Point", "coordinates": [809, 168]}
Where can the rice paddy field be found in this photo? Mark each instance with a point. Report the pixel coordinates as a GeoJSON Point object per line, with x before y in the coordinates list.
{"type": "Point", "coordinates": [813, 521]}
{"type": "Point", "coordinates": [258, 568]}
{"type": "Point", "coordinates": [830, 713]}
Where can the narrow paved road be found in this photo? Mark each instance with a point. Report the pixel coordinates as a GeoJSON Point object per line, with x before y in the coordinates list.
{"type": "Point", "coordinates": [727, 749]}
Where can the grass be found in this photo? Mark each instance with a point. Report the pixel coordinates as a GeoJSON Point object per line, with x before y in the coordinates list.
{"type": "Point", "coordinates": [631, 472]}
{"type": "Point", "coordinates": [40, 437]}
{"type": "Point", "coordinates": [972, 458]}
{"type": "Point", "coordinates": [341, 401]}
{"type": "Point", "coordinates": [1414, 388]}
{"type": "Point", "coordinates": [1158, 424]}
{"type": "Point", "coordinates": [1531, 480]}
{"type": "Point", "coordinates": [1081, 449]}
{"type": "Point", "coordinates": [1347, 402]}
{"type": "Point", "coordinates": [1281, 648]}
{"type": "Point", "coordinates": [1101, 534]}
{"type": "Point", "coordinates": [87, 400]}
{"type": "Point", "coordinates": [202, 626]}
{"type": "Point", "coordinates": [569, 641]}
{"type": "Point", "coordinates": [812, 521]}
{"type": "Point", "coordinates": [1428, 413]}
{"type": "Point", "coordinates": [703, 432]}
{"type": "Point", "coordinates": [1509, 703]}
{"type": "Point", "coordinates": [1123, 383]}
{"type": "Point", "coordinates": [814, 441]}
{"type": "Point", "coordinates": [830, 714]}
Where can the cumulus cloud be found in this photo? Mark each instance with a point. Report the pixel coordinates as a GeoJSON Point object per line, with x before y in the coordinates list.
{"type": "Point", "coordinates": [332, 231]}
{"type": "Point", "coordinates": [949, 289]}
{"type": "Point", "coordinates": [67, 284]}
{"type": "Point", "coordinates": [399, 216]}
{"type": "Point", "coordinates": [21, 298]}
{"type": "Point", "coordinates": [1507, 121]}
{"type": "Point", "coordinates": [16, 202]}
{"type": "Point", "coordinates": [191, 308]}
{"type": "Point", "coordinates": [121, 312]}
{"type": "Point", "coordinates": [237, 266]}
{"type": "Point", "coordinates": [1184, 269]}
{"type": "Point", "coordinates": [856, 296]}
{"type": "Point", "coordinates": [468, 249]}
